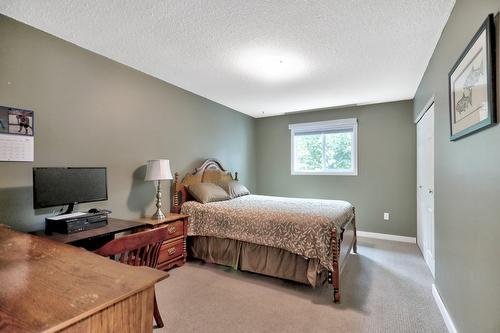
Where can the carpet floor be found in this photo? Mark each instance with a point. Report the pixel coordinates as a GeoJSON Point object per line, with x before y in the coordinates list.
{"type": "Point", "coordinates": [386, 287]}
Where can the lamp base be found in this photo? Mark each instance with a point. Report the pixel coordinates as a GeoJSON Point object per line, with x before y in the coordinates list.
{"type": "Point", "coordinates": [158, 215]}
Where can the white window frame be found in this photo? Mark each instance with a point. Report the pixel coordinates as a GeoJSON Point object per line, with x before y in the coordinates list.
{"type": "Point", "coordinates": [320, 126]}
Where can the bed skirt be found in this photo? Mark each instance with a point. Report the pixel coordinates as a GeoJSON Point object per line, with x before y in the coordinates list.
{"type": "Point", "coordinates": [255, 258]}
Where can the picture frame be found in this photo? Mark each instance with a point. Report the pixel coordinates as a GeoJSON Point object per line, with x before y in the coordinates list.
{"type": "Point", "coordinates": [472, 84]}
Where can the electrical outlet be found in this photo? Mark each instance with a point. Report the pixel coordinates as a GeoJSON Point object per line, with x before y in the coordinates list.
{"type": "Point", "coordinates": [386, 216]}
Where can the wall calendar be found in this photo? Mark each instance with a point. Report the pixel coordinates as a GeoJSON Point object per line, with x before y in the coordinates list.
{"type": "Point", "coordinates": [17, 135]}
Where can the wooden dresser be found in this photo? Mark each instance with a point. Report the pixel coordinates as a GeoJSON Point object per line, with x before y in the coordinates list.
{"type": "Point", "coordinates": [173, 251]}
{"type": "Point", "coordinates": [48, 286]}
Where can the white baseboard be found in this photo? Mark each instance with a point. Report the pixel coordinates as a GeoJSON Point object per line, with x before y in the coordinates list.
{"type": "Point", "coordinates": [386, 237]}
{"type": "Point", "coordinates": [442, 309]}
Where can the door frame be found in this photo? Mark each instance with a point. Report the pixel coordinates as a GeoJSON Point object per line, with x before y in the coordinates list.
{"type": "Point", "coordinates": [430, 104]}
{"type": "Point", "coordinates": [426, 107]}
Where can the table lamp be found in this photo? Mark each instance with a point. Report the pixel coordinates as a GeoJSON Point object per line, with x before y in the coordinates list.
{"type": "Point", "coordinates": [158, 170]}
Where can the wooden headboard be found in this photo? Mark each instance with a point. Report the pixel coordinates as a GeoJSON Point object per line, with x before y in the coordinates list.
{"type": "Point", "coordinates": [211, 171]}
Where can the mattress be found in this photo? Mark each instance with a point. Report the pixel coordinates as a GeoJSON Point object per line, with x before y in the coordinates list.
{"type": "Point", "coordinates": [300, 226]}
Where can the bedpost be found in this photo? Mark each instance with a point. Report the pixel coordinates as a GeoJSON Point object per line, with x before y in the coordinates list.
{"type": "Point", "coordinates": [334, 277]}
{"type": "Point", "coordinates": [175, 195]}
{"type": "Point", "coordinates": [355, 244]}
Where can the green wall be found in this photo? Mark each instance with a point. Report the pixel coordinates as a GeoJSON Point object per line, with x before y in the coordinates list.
{"type": "Point", "coordinates": [386, 157]}
{"type": "Point", "coordinates": [91, 111]}
{"type": "Point", "coordinates": [467, 188]}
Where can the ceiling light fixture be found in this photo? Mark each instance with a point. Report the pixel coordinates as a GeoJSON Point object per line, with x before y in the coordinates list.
{"type": "Point", "coordinates": [271, 65]}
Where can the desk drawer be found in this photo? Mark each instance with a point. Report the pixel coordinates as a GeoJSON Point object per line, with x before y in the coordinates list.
{"type": "Point", "coordinates": [174, 229]}
{"type": "Point", "coordinates": [171, 250]}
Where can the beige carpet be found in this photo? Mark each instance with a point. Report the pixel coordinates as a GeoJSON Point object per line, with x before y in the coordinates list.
{"type": "Point", "coordinates": [385, 288]}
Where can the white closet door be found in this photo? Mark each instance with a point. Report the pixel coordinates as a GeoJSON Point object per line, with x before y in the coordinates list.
{"type": "Point", "coordinates": [425, 187]}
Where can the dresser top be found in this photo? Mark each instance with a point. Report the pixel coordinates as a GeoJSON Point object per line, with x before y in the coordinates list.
{"type": "Point", "coordinates": [47, 285]}
{"type": "Point", "coordinates": [170, 217]}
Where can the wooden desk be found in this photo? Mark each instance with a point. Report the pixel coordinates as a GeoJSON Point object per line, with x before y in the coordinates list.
{"type": "Point", "coordinates": [48, 286]}
{"type": "Point", "coordinates": [94, 238]}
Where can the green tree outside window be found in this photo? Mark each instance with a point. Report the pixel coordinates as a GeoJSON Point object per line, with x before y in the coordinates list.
{"type": "Point", "coordinates": [323, 151]}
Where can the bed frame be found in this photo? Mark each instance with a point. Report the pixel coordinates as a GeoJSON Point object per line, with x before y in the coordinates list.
{"type": "Point", "coordinates": [212, 171]}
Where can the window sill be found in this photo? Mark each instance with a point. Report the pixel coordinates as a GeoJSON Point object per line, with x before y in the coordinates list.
{"type": "Point", "coordinates": [322, 173]}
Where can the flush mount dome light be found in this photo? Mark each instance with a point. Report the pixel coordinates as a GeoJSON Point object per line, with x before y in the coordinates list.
{"type": "Point", "coordinates": [271, 65]}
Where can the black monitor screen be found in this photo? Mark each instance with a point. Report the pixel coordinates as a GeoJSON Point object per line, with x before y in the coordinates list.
{"type": "Point", "coordinates": [62, 186]}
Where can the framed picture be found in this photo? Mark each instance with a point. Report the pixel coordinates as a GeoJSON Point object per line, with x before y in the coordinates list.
{"type": "Point", "coordinates": [472, 84]}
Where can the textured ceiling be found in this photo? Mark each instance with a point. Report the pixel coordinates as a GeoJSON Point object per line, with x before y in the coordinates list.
{"type": "Point", "coordinates": [258, 57]}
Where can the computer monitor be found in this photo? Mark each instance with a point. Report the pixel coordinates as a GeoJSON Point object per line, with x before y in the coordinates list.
{"type": "Point", "coordinates": [68, 186]}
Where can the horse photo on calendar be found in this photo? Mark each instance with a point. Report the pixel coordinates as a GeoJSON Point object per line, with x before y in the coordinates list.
{"type": "Point", "coordinates": [21, 122]}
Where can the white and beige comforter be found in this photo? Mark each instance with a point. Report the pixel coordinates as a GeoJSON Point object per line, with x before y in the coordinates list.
{"type": "Point", "coordinates": [300, 226]}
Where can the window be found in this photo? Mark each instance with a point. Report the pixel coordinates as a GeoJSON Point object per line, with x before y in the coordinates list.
{"type": "Point", "coordinates": [325, 148]}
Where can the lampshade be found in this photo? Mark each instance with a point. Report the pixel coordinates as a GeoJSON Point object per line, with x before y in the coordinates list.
{"type": "Point", "coordinates": [158, 170]}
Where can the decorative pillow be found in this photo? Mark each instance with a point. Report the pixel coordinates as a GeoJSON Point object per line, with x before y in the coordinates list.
{"type": "Point", "coordinates": [234, 188]}
{"type": "Point", "coordinates": [208, 192]}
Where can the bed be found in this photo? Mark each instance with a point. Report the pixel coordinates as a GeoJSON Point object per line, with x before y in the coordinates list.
{"type": "Point", "coordinates": [303, 240]}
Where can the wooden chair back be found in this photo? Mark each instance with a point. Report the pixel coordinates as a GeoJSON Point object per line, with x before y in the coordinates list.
{"type": "Point", "coordinates": [138, 249]}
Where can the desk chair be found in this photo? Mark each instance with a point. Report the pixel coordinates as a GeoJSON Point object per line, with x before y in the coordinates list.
{"type": "Point", "coordinates": [139, 249]}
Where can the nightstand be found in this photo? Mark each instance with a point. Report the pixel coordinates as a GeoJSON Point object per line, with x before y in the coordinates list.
{"type": "Point", "coordinates": [173, 250]}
